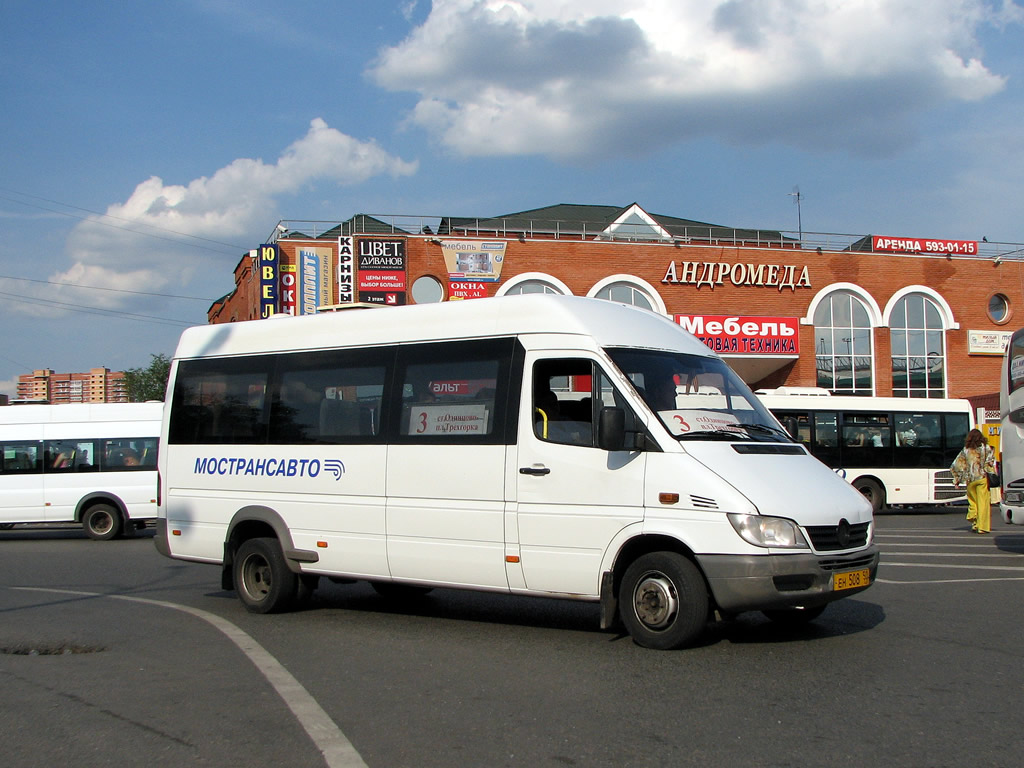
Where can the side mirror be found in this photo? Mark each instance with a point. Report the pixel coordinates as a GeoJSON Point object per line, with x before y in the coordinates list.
{"type": "Point", "coordinates": [611, 429]}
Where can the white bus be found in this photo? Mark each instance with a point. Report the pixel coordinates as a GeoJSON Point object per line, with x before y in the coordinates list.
{"type": "Point", "coordinates": [535, 445]}
{"type": "Point", "coordinates": [93, 464]}
{"type": "Point", "coordinates": [894, 450]}
{"type": "Point", "coordinates": [1011, 431]}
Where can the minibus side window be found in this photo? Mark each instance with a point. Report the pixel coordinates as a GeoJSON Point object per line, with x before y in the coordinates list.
{"type": "Point", "coordinates": [563, 406]}
{"type": "Point", "coordinates": [21, 458]}
{"type": "Point", "coordinates": [329, 397]}
{"type": "Point", "coordinates": [128, 454]}
{"type": "Point", "coordinates": [455, 392]}
{"type": "Point", "coordinates": [70, 456]}
{"type": "Point", "coordinates": [220, 401]}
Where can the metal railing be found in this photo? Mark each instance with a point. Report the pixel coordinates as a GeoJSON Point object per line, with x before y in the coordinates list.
{"type": "Point", "coordinates": [601, 231]}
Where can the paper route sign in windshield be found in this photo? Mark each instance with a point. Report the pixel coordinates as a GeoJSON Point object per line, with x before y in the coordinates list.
{"type": "Point", "coordinates": [682, 422]}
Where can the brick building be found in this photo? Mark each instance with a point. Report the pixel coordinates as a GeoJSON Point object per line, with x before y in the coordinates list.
{"type": "Point", "coordinates": [99, 385]}
{"type": "Point", "coordinates": [904, 316]}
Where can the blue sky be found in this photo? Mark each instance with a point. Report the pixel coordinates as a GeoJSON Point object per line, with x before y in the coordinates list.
{"type": "Point", "coordinates": [144, 147]}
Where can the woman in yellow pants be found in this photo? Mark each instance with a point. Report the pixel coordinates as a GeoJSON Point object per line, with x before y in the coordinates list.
{"type": "Point", "coordinates": [971, 467]}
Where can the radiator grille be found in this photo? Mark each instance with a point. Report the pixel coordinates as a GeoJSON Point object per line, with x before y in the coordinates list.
{"type": "Point", "coordinates": [829, 538]}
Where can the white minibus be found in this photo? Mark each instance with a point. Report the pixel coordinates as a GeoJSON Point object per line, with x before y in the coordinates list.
{"type": "Point", "coordinates": [894, 450]}
{"type": "Point", "coordinates": [1011, 431]}
{"type": "Point", "coordinates": [93, 464]}
{"type": "Point", "coordinates": [535, 445]}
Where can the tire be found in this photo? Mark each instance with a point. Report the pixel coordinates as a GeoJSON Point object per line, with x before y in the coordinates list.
{"type": "Point", "coordinates": [663, 601]}
{"type": "Point", "coordinates": [394, 591]}
{"type": "Point", "coordinates": [795, 617]}
{"type": "Point", "coordinates": [263, 580]}
{"type": "Point", "coordinates": [102, 522]}
{"type": "Point", "coordinates": [872, 491]}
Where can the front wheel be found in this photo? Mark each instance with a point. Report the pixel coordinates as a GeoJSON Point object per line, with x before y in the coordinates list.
{"type": "Point", "coordinates": [663, 601]}
{"type": "Point", "coordinates": [102, 522]}
{"type": "Point", "coordinates": [264, 582]}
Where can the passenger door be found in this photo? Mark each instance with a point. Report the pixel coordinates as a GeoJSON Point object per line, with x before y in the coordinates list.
{"type": "Point", "coordinates": [572, 497]}
{"type": "Point", "coordinates": [446, 462]}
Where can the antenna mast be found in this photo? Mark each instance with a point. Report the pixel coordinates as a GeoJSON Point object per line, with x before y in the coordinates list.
{"type": "Point", "coordinates": [795, 194]}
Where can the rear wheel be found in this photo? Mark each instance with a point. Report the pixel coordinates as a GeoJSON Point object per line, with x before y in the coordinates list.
{"type": "Point", "coordinates": [663, 601]}
{"type": "Point", "coordinates": [263, 580]}
{"type": "Point", "coordinates": [872, 491]}
{"type": "Point", "coordinates": [102, 522]}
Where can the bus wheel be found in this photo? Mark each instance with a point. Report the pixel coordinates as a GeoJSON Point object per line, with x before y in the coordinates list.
{"type": "Point", "coordinates": [795, 616]}
{"type": "Point", "coordinates": [872, 491]}
{"type": "Point", "coordinates": [264, 582]}
{"type": "Point", "coordinates": [101, 522]}
{"type": "Point", "coordinates": [663, 601]}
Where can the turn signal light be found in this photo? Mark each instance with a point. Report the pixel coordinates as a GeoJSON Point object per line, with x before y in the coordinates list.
{"type": "Point", "coordinates": [668, 498]}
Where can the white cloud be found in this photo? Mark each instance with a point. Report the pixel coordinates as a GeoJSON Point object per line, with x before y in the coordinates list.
{"type": "Point", "coordinates": [587, 77]}
{"type": "Point", "coordinates": [9, 387]}
{"type": "Point", "coordinates": [163, 233]}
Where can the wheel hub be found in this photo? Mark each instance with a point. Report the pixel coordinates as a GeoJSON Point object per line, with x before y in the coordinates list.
{"type": "Point", "coordinates": [655, 601]}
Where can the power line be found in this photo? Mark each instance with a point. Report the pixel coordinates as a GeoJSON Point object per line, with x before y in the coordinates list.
{"type": "Point", "coordinates": [99, 311]}
{"type": "Point", "coordinates": [117, 218]}
{"type": "Point", "coordinates": [113, 290]}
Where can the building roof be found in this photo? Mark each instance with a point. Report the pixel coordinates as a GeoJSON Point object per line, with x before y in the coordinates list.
{"type": "Point", "coordinates": [614, 222]}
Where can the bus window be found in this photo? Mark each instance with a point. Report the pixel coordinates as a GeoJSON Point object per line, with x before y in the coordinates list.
{"type": "Point", "coordinates": [70, 456]}
{"type": "Point", "coordinates": [220, 401]}
{"type": "Point", "coordinates": [957, 426]}
{"type": "Point", "coordinates": [797, 424]}
{"type": "Point", "coordinates": [918, 440]}
{"type": "Point", "coordinates": [328, 397]}
{"type": "Point", "coordinates": [21, 458]}
{"type": "Point", "coordinates": [563, 405]}
{"type": "Point", "coordinates": [129, 454]}
{"type": "Point", "coordinates": [455, 393]}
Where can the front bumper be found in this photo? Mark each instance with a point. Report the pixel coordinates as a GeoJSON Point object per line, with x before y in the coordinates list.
{"type": "Point", "coordinates": [763, 582]}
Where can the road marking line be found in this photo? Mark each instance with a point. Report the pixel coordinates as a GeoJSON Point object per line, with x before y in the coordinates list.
{"type": "Point", "coordinates": [336, 749]}
{"type": "Point", "coordinates": [1014, 555]}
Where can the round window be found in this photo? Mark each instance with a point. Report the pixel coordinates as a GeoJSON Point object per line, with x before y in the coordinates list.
{"type": "Point", "coordinates": [427, 290]}
{"type": "Point", "coordinates": [999, 308]}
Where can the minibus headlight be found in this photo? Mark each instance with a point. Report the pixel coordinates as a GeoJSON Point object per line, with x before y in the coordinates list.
{"type": "Point", "coordinates": [764, 531]}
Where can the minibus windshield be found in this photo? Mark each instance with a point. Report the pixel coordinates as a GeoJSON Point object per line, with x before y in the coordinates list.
{"type": "Point", "coordinates": [697, 398]}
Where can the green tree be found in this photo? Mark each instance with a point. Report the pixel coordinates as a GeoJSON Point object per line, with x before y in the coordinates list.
{"type": "Point", "coordinates": [148, 383]}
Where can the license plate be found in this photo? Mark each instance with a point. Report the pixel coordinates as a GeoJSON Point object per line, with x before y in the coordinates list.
{"type": "Point", "coordinates": [851, 579]}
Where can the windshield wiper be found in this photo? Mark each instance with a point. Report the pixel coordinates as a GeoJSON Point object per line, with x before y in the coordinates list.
{"type": "Point", "coordinates": [715, 434]}
{"type": "Point", "coordinates": [765, 428]}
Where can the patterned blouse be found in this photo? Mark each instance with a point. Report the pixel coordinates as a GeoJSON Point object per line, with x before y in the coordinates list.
{"type": "Point", "coordinates": [972, 463]}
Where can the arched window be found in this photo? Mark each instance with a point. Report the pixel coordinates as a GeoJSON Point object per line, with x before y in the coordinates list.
{"type": "Point", "coordinates": [627, 289]}
{"type": "Point", "coordinates": [533, 282]}
{"type": "Point", "coordinates": [918, 337]}
{"type": "Point", "coordinates": [532, 286]}
{"type": "Point", "coordinates": [842, 343]}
